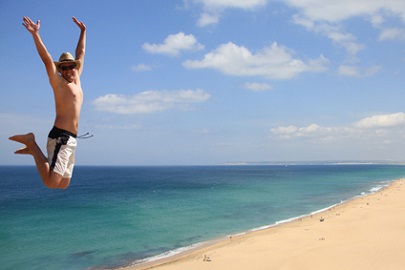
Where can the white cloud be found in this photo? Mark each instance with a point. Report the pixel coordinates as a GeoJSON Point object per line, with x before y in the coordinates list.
{"type": "Point", "coordinates": [174, 44]}
{"type": "Point", "coordinates": [382, 121]}
{"type": "Point", "coordinates": [243, 4]}
{"type": "Point", "coordinates": [392, 33]}
{"type": "Point", "coordinates": [330, 11]}
{"type": "Point", "coordinates": [207, 19]}
{"type": "Point", "coordinates": [274, 62]}
{"type": "Point", "coordinates": [346, 40]}
{"type": "Point", "coordinates": [377, 125]}
{"type": "Point", "coordinates": [322, 16]}
{"type": "Point", "coordinates": [150, 101]}
{"type": "Point", "coordinates": [354, 71]}
{"type": "Point", "coordinates": [212, 9]}
{"type": "Point", "coordinates": [142, 67]}
{"type": "Point", "coordinates": [336, 11]}
{"type": "Point", "coordinates": [348, 71]}
{"type": "Point", "coordinates": [257, 86]}
{"type": "Point", "coordinates": [325, 16]}
{"type": "Point", "coordinates": [333, 32]}
{"type": "Point", "coordinates": [292, 131]}
{"type": "Point", "coordinates": [285, 132]}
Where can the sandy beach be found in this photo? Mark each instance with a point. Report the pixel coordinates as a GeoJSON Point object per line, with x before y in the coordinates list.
{"type": "Point", "coordinates": [364, 233]}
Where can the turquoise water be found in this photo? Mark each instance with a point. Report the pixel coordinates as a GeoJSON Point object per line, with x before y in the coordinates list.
{"type": "Point", "coordinates": [114, 216]}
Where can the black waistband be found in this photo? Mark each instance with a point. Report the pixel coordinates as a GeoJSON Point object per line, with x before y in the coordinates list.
{"type": "Point", "coordinates": [57, 132]}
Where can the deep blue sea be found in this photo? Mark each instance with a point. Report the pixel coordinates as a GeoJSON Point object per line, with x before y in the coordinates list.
{"type": "Point", "coordinates": [114, 216]}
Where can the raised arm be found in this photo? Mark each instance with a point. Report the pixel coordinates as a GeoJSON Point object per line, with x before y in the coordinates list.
{"type": "Point", "coordinates": [33, 28]}
{"type": "Point", "coordinates": [81, 44]}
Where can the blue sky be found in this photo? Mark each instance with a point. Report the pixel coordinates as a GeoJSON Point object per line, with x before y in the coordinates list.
{"type": "Point", "coordinates": [214, 81]}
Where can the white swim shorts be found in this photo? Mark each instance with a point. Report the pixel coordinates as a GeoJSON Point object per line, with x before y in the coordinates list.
{"type": "Point", "coordinates": [61, 149]}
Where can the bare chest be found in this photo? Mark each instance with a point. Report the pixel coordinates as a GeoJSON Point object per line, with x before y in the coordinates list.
{"type": "Point", "coordinates": [69, 95]}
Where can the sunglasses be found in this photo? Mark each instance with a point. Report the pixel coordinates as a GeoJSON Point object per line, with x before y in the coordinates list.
{"type": "Point", "coordinates": [70, 67]}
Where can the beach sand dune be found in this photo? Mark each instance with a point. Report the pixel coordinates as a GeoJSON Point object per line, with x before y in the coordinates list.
{"type": "Point", "coordinates": [364, 233]}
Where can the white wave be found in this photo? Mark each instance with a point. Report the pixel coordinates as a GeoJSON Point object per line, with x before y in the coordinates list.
{"type": "Point", "coordinates": [167, 254]}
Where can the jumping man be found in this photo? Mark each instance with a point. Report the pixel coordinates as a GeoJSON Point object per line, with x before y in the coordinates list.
{"type": "Point", "coordinates": [64, 77]}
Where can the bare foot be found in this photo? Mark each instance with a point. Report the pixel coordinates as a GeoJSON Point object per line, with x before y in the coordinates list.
{"type": "Point", "coordinates": [23, 151]}
{"type": "Point", "coordinates": [26, 139]}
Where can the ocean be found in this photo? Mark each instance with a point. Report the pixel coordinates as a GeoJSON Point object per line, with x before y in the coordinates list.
{"type": "Point", "coordinates": [115, 216]}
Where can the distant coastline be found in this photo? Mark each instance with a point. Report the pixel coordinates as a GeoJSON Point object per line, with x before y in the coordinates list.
{"type": "Point", "coordinates": [327, 162]}
{"type": "Point", "coordinates": [242, 163]}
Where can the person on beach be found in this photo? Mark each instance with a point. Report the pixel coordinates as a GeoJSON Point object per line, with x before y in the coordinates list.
{"type": "Point", "coordinates": [64, 77]}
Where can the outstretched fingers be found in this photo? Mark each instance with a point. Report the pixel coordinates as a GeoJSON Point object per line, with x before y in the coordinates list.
{"type": "Point", "coordinates": [80, 24]}
{"type": "Point", "coordinates": [30, 25]}
{"type": "Point", "coordinates": [26, 21]}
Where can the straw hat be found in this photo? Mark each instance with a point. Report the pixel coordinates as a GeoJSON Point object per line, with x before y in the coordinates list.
{"type": "Point", "coordinates": [66, 57]}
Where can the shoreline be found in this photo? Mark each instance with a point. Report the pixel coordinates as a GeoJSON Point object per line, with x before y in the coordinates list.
{"type": "Point", "coordinates": [195, 256]}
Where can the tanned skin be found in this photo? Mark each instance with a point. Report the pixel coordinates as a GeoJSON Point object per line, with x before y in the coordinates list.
{"type": "Point", "coordinates": [68, 95]}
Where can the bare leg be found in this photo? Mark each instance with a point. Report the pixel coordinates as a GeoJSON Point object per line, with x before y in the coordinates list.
{"type": "Point", "coordinates": [49, 178]}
